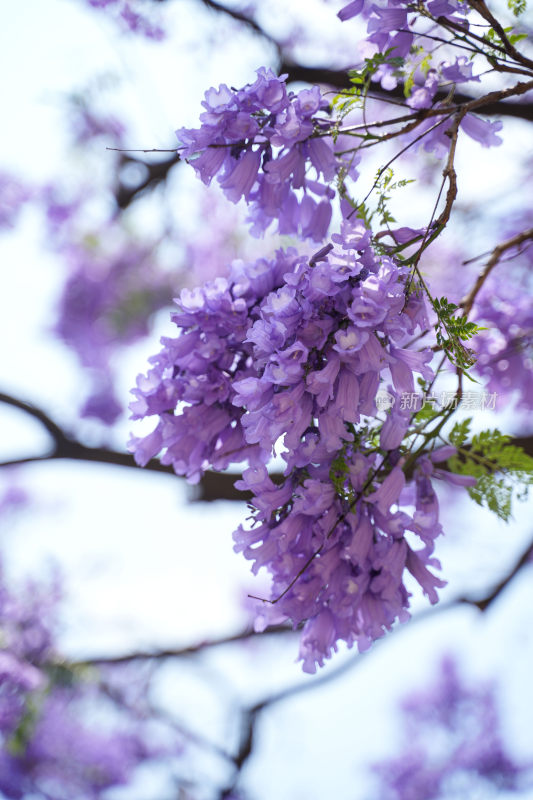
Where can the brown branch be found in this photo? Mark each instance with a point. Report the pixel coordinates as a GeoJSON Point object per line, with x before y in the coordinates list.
{"type": "Point", "coordinates": [250, 716]}
{"type": "Point", "coordinates": [57, 434]}
{"type": "Point", "coordinates": [213, 485]}
{"type": "Point", "coordinates": [483, 603]}
{"type": "Point", "coordinates": [449, 172]}
{"type": "Point", "coordinates": [494, 106]}
{"type": "Point", "coordinates": [180, 652]}
{"type": "Point", "coordinates": [481, 8]}
{"type": "Point", "coordinates": [496, 255]}
{"type": "Point", "coordinates": [244, 19]}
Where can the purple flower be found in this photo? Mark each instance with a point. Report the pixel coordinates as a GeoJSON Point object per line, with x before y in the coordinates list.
{"type": "Point", "coordinates": [458, 72]}
{"type": "Point", "coordinates": [108, 301]}
{"type": "Point", "coordinates": [388, 19]}
{"type": "Point", "coordinates": [481, 130]}
{"type": "Point", "coordinates": [350, 10]}
{"type": "Point", "coordinates": [239, 181]}
{"type": "Point", "coordinates": [504, 349]}
{"type": "Point", "coordinates": [260, 141]}
{"type": "Point", "coordinates": [290, 354]}
{"type": "Point", "coordinates": [13, 196]}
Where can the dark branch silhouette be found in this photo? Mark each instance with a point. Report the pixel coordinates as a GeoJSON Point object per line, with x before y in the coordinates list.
{"type": "Point", "coordinates": [482, 603]}
{"type": "Point", "coordinates": [213, 485]}
{"type": "Point", "coordinates": [189, 650]}
{"type": "Point", "coordinates": [339, 80]}
{"type": "Point", "coordinates": [153, 173]}
{"type": "Point", "coordinates": [250, 716]}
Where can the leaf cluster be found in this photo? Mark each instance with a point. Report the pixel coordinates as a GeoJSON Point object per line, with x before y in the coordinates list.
{"type": "Point", "coordinates": [500, 468]}
{"type": "Point", "coordinates": [452, 330]}
{"type": "Point", "coordinates": [423, 66]}
{"type": "Point", "coordinates": [517, 6]}
{"type": "Point", "coordinates": [493, 39]}
{"type": "Point", "coordinates": [384, 184]}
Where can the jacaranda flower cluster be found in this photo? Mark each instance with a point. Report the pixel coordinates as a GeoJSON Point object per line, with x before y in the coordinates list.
{"type": "Point", "coordinates": [288, 356]}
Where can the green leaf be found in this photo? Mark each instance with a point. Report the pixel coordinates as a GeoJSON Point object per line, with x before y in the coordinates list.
{"type": "Point", "coordinates": [502, 470]}
{"type": "Point", "coordinates": [451, 331]}
{"type": "Point", "coordinates": [517, 6]}
{"type": "Point", "coordinates": [460, 432]}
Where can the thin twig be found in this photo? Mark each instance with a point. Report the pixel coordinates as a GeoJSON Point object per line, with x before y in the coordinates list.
{"type": "Point", "coordinates": [180, 652]}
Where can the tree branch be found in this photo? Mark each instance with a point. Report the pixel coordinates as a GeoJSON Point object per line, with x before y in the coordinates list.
{"type": "Point", "coordinates": [213, 485]}
{"type": "Point", "coordinates": [248, 21]}
{"type": "Point", "coordinates": [482, 603]}
{"type": "Point", "coordinates": [50, 426]}
{"type": "Point", "coordinates": [180, 652]}
{"type": "Point", "coordinates": [495, 257]}
{"type": "Point", "coordinates": [251, 715]}
{"type": "Point", "coordinates": [155, 173]}
{"type": "Point", "coordinates": [339, 80]}
{"type": "Point", "coordinates": [481, 8]}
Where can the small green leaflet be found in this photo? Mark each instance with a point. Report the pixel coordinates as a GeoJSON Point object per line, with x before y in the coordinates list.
{"type": "Point", "coordinates": [500, 468]}
{"type": "Point", "coordinates": [451, 331]}
{"type": "Point", "coordinates": [517, 6]}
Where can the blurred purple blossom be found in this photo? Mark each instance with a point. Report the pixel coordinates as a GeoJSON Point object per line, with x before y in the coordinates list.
{"type": "Point", "coordinates": [14, 194]}
{"type": "Point", "coordinates": [454, 745]}
{"type": "Point", "coordinates": [61, 734]}
{"type": "Point", "coordinates": [130, 18]}
{"type": "Point", "coordinates": [108, 302]}
{"type": "Point", "coordinates": [505, 350]}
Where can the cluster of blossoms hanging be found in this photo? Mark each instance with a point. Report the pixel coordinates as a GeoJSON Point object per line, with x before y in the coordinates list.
{"type": "Point", "coordinates": [130, 16]}
{"type": "Point", "coordinates": [260, 141]}
{"type": "Point", "coordinates": [113, 291]}
{"type": "Point", "coordinates": [393, 31]}
{"type": "Point", "coordinates": [291, 354]}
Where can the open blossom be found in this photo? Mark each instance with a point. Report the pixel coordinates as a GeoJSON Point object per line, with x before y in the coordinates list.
{"type": "Point", "coordinates": [290, 354]}
{"type": "Point", "coordinates": [260, 142]}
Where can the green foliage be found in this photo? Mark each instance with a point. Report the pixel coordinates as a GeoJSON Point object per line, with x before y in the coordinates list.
{"type": "Point", "coordinates": [384, 185]}
{"type": "Point", "coordinates": [451, 331]}
{"type": "Point", "coordinates": [338, 474]}
{"type": "Point", "coordinates": [493, 39]}
{"type": "Point", "coordinates": [360, 79]}
{"type": "Point", "coordinates": [426, 413]}
{"type": "Point", "coordinates": [517, 6]}
{"type": "Point", "coordinates": [499, 467]}
{"type": "Point", "coordinates": [460, 433]}
{"type": "Point", "coordinates": [424, 65]}
{"type": "Point", "coordinates": [16, 744]}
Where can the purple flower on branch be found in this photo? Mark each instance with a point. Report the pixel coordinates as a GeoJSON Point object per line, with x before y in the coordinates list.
{"type": "Point", "coordinates": [290, 354]}
{"type": "Point", "coordinates": [260, 141]}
